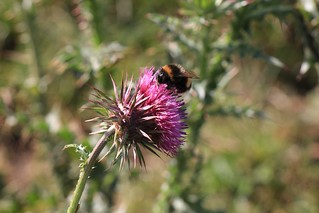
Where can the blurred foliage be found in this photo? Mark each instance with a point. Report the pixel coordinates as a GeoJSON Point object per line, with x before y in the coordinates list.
{"type": "Point", "coordinates": [252, 144]}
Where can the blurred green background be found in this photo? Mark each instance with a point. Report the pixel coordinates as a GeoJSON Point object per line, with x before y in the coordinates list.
{"type": "Point", "coordinates": [253, 137]}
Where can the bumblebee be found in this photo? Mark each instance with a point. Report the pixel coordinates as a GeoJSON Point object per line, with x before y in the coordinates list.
{"type": "Point", "coordinates": [176, 77]}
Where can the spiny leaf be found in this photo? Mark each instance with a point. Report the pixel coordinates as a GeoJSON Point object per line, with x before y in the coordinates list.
{"type": "Point", "coordinates": [150, 147]}
{"type": "Point", "coordinates": [140, 155]}
{"type": "Point", "coordinates": [79, 148]}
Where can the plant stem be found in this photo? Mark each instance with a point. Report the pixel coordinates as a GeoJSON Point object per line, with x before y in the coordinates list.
{"type": "Point", "coordinates": [86, 170]}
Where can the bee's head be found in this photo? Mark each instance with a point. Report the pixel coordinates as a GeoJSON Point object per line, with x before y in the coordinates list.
{"type": "Point", "coordinates": [163, 77]}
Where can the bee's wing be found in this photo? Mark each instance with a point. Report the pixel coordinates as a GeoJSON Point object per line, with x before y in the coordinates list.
{"type": "Point", "coordinates": [189, 74]}
{"type": "Point", "coordinates": [186, 73]}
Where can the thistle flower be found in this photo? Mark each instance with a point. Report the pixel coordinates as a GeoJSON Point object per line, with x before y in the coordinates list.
{"type": "Point", "coordinates": [145, 115]}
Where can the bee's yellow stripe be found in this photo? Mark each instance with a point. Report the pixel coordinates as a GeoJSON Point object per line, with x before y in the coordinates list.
{"type": "Point", "coordinates": [168, 71]}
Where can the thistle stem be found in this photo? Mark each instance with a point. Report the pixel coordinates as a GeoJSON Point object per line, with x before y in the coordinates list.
{"type": "Point", "coordinates": [86, 170]}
